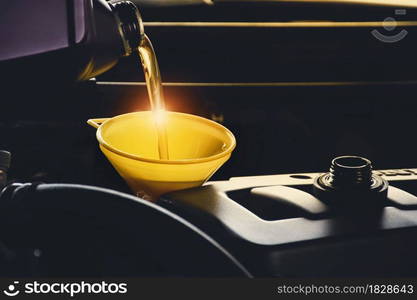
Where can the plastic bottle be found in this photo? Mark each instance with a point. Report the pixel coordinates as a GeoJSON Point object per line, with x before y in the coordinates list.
{"type": "Point", "coordinates": [65, 39]}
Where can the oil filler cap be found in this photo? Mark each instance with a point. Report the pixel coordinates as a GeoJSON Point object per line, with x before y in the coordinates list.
{"type": "Point", "coordinates": [351, 186]}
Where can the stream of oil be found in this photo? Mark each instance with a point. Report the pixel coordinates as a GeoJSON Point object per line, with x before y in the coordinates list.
{"type": "Point", "coordinates": [155, 92]}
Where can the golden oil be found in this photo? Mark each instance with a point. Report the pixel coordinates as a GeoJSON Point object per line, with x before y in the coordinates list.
{"type": "Point", "coordinates": [156, 96]}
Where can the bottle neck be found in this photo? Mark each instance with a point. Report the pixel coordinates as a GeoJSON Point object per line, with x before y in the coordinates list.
{"type": "Point", "coordinates": [130, 24]}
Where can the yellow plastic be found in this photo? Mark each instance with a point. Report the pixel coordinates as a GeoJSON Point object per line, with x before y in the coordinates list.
{"type": "Point", "coordinates": [197, 147]}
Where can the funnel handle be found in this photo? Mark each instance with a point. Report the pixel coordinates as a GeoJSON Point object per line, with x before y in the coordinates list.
{"type": "Point", "coordinates": [96, 122]}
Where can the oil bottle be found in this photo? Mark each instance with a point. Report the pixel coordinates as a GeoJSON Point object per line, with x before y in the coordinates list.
{"type": "Point", "coordinates": [64, 40]}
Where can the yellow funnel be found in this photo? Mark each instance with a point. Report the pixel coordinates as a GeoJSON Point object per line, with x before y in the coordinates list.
{"type": "Point", "coordinates": [197, 148]}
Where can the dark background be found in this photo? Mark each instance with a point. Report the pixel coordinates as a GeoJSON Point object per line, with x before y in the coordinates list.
{"type": "Point", "coordinates": [340, 91]}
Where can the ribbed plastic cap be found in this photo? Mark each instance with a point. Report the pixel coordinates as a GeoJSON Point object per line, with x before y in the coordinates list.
{"type": "Point", "coordinates": [5, 158]}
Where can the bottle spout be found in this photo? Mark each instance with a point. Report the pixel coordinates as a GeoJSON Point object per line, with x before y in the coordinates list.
{"type": "Point", "coordinates": [129, 23]}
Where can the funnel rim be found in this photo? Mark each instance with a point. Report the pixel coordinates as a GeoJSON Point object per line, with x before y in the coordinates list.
{"type": "Point", "coordinates": [224, 153]}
